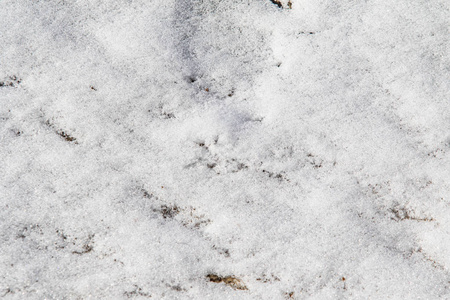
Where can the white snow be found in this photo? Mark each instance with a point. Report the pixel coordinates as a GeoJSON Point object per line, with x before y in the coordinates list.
{"type": "Point", "coordinates": [296, 153]}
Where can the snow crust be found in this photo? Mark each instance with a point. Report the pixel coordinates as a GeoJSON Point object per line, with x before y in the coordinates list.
{"type": "Point", "coordinates": [148, 146]}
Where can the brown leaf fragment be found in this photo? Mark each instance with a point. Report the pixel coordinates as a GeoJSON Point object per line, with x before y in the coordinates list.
{"type": "Point", "coordinates": [231, 281]}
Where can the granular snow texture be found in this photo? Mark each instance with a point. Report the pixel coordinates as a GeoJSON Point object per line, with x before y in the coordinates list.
{"type": "Point", "coordinates": [235, 149]}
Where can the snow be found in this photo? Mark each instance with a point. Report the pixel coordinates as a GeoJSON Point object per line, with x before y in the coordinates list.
{"type": "Point", "coordinates": [224, 149]}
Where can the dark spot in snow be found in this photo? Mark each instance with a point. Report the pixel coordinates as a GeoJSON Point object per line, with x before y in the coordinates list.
{"type": "Point", "coordinates": [11, 81]}
{"type": "Point", "coordinates": [268, 279]}
{"type": "Point", "coordinates": [137, 291]}
{"type": "Point", "coordinates": [307, 32]}
{"type": "Point", "coordinates": [7, 291]}
{"type": "Point", "coordinates": [402, 213]}
{"type": "Point", "coordinates": [166, 115]}
{"type": "Point", "coordinates": [147, 194]}
{"type": "Point", "coordinates": [202, 144]}
{"type": "Point", "coordinates": [168, 212]}
{"type": "Point", "coordinates": [434, 263]}
{"type": "Point", "coordinates": [289, 295]}
{"type": "Point", "coordinates": [280, 5]}
{"type": "Point", "coordinates": [277, 3]}
{"type": "Point", "coordinates": [87, 247]}
{"type": "Point", "coordinates": [438, 153]}
{"type": "Point", "coordinates": [67, 137]}
{"type": "Point", "coordinates": [177, 287]}
{"type": "Point", "coordinates": [223, 251]}
{"type": "Point", "coordinates": [61, 234]}
{"type": "Point", "coordinates": [314, 161]}
{"type": "Point", "coordinates": [228, 280]}
{"type": "Point", "coordinates": [27, 230]}
{"type": "Point", "coordinates": [193, 220]}
{"type": "Point", "coordinates": [241, 166]}
{"type": "Point", "coordinates": [211, 165]}
{"type": "Point", "coordinates": [275, 175]}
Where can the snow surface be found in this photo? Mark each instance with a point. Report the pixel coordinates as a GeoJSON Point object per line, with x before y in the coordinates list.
{"type": "Point", "coordinates": [150, 149]}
